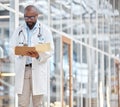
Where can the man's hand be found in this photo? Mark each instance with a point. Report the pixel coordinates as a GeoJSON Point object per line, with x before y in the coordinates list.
{"type": "Point", "coordinates": [32, 54]}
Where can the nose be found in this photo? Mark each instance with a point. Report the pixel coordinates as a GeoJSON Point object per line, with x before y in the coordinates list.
{"type": "Point", "coordinates": [28, 19]}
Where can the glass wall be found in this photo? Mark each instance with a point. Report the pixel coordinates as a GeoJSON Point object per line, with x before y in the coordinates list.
{"type": "Point", "coordinates": [93, 26]}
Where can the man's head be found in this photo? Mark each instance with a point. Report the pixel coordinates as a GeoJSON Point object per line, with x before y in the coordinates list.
{"type": "Point", "coordinates": [31, 15]}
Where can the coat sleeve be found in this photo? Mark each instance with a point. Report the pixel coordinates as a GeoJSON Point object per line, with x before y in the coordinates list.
{"type": "Point", "coordinates": [43, 57]}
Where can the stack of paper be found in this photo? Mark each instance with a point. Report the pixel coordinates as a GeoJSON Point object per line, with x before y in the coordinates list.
{"type": "Point", "coordinates": [43, 47]}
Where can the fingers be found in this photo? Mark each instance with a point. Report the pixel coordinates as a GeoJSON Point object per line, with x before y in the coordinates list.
{"type": "Point", "coordinates": [32, 54]}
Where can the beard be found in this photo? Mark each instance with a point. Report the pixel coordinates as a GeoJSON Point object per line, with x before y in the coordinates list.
{"type": "Point", "coordinates": [30, 24]}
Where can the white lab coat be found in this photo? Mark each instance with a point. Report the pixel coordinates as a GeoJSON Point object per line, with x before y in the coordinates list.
{"type": "Point", "coordinates": [40, 67]}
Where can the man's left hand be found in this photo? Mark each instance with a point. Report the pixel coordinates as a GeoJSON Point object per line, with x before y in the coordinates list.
{"type": "Point", "coordinates": [32, 54]}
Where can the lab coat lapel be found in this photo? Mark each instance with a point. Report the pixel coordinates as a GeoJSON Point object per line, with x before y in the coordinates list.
{"type": "Point", "coordinates": [24, 29]}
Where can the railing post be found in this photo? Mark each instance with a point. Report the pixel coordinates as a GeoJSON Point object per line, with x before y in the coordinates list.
{"type": "Point", "coordinates": [117, 64]}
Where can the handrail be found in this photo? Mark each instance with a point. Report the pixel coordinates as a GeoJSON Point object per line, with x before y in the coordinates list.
{"type": "Point", "coordinates": [7, 84]}
{"type": "Point", "coordinates": [10, 9]}
{"type": "Point", "coordinates": [84, 44]}
{"type": "Point", "coordinates": [4, 74]}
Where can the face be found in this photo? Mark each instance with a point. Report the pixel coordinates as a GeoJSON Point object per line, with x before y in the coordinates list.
{"type": "Point", "coordinates": [30, 17]}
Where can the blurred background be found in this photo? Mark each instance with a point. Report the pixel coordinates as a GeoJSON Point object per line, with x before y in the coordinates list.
{"type": "Point", "coordinates": [85, 66]}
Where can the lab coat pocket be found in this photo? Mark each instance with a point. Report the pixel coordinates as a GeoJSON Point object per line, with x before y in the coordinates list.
{"type": "Point", "coordinates": [19, 63]}
{"type": "Point", "coordinates": [42, 68]}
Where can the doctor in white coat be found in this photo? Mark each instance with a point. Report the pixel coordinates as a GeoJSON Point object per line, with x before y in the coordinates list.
{"type": "Point", "coordinates": [32, 71]}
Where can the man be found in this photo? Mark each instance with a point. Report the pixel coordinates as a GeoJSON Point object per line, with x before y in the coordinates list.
{"type": "Point", "coordinates": [32, 70]}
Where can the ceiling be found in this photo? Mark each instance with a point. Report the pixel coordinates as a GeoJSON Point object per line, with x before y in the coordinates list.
{"type": "Point", "coordinates": [77, 7]}
{"type": "Point", "coordinates": [65, 9]}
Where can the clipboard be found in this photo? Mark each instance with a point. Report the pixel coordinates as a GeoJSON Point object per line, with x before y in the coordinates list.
{"type": "Point", "coordinates": [22, 50]}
